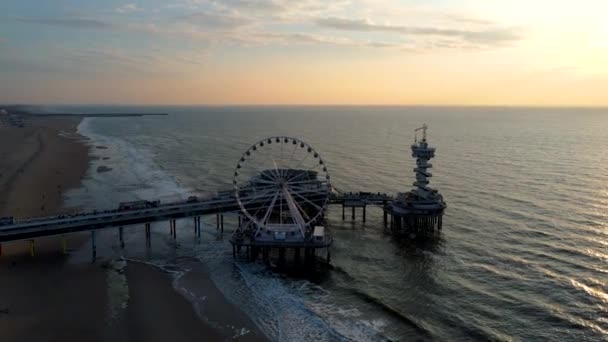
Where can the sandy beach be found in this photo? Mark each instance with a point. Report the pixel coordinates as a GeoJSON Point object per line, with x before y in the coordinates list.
{"type": "Point", "coordinates": [47, 299]}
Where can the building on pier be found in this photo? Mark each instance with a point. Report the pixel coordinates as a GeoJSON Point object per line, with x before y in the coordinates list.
{"type": "Point", "coordinates": [420, 210]}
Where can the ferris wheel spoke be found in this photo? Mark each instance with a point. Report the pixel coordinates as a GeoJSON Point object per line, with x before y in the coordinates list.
{"type": "Point", "coordinates": [263, 171]}
{"type": "Point", "coordinates": [281, 207]}
{"type": "Point", "coordinates": [281, 149]}
{"type": "Point", "coordinates": [305, 199]}
{"type": "Point", "coordinates": [297, 174]}
{"type": "Point", "coordinates": [293, 169]}
{"type": "Point", "coordinates": [278, 175]}
{"type": "Point", "coordinates": [270, 207]}
{"type": "Point", "coordinates": [304, 182]}
{"type": "Point", "coordinates": [263, 181]}
{"type": "Point", "coordinates": [261, 189]}
{"type": "Point", "coordinates": [301, 161]}
{"type": "Point", "coordinates": [260, 195]}
{"type": "Point", "coordinates": [293, 152]}
{"type": "Point", "coordinates": [309, 191]}
{"type": "Point", "coordinates": [262, 206]}
{"type": "Point", "coordinates": [296, 211]}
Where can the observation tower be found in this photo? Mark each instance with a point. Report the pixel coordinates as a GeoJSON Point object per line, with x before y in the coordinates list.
{"type": "Point", "coordinates": [419, 210]}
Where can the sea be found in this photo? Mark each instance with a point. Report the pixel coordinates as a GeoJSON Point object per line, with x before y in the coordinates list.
{"type": "Point", "coordinates": [522, 256]}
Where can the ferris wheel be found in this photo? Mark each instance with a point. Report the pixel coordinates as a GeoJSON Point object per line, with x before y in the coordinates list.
{"type": "Point", "coordinates": [281, 184]}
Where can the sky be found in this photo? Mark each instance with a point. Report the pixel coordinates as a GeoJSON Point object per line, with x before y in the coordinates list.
{"type": "Point", "coordinates": [384, 52]}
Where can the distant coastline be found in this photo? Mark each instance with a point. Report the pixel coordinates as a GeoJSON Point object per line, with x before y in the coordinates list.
{"type": "Point", "coordinates": [35, 111]}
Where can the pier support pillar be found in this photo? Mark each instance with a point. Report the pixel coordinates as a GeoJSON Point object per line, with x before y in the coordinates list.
{"type": "Point", "coordinates": [439, 223]}
{"type": "Point", "coordinates": [197, 226]}
{"type": "Point", "coordinates": [173, 228]}
{"type": "Point", "coordinates": [217, 221]}
{"type": "Point", "coordinates": [353, 213]}
{"type": "Point", "coordinates": [343, 217]}
{"type": "Point", "coordinates": [93, 245]}
{"type": "Point", "coordinates": [147, 233]}
{"type": "Point", "coordinates": [64, 246]}
{"type": "Point", "coordinates": [0, 249]}
{"type": "Point", "coordinates": [32, 248]}
{"type": "Point", "coordinates": [385, 218]}
{"type": "Point", "coordinates": [121, 237]}
{"type": "Point", "coordinates": [222, 223]}
{"type": "Point", "coordinates": [364, 212]}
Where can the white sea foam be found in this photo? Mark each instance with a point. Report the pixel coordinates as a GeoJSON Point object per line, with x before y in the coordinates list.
{"type": "Point", "coordinates": [134, 175]}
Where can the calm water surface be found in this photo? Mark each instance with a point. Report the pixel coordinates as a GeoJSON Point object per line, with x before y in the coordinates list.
{"type": "Point", "coordinates": [524, 250]}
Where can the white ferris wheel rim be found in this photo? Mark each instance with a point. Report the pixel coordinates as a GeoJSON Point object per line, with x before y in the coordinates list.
{"type": "Point", "coordinates": [281, 185]}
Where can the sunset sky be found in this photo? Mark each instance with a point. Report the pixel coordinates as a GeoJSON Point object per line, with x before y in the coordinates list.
{"type": "Point", "coordinates": [435, 52]}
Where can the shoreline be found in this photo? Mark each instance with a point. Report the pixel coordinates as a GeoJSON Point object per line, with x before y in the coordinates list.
{"type": "Point", "coordinates": [39, 163]}
{"type": "Point", "coordinates": [51, 159]}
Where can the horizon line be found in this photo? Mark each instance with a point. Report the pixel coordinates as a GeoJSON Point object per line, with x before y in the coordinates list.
{"type": "Point", "coordinates": [534, 106]}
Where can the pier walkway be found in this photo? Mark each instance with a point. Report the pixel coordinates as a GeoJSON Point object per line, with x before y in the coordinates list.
{"type": "Point", "coordinates": [222, 203]}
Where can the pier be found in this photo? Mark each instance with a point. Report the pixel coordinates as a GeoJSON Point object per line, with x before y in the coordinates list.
{"type": "Point", "coordinates": [217, 206]}
{"type": "Point", "coordinates": [280, 211]}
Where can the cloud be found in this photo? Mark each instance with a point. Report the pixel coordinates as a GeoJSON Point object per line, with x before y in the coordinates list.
{"type": "Point", "coordinates": [488, 36]}
{"type": "Point", "coordinates": [80, 23]}
{"type": "Point", "coordinates": [468, 20]}
{"type": "Point", "coordinates": [151, 62]}
{"type": "Point", "coordinates": [19, 65]}
{"type": "Point", "coordinates": [314, 39]}
{"type": "Point", "coordinates": [209, 20]}
{"type": "Point", "coordinates": [3, 40]}
{"type": "Point", "coordinates": [132, 7]}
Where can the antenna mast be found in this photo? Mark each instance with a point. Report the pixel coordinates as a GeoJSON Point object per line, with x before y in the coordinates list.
{"type": "Point", "coordinates": [423, 129]}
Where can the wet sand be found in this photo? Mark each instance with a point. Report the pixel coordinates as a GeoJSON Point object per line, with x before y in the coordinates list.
{"type": "Point", "coordinates": [45, 298]}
